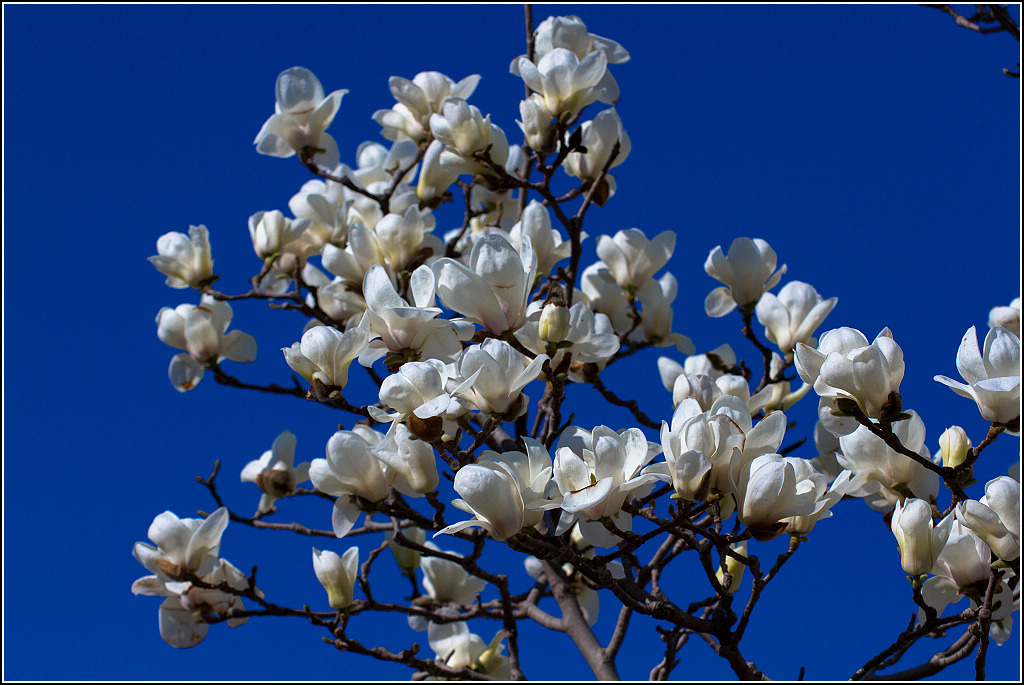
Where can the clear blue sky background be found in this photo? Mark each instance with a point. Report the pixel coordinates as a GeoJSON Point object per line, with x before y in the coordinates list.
{"type": "Point", "coordinates": [876, 148]}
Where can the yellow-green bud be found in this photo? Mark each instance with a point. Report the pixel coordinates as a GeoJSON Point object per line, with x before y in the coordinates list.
{"type": "Point", "coordinates": [408, 559]}
{"type": "Point", "coordinates": [554, 323]}
{"type": "Point", "coordinates": [734, 567]}
{"type": "Point", "coordinates": [954, 444]}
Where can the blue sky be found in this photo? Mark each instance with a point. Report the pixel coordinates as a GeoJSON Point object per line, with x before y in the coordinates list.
{"type": "Point", "coordinates": [876, 148]}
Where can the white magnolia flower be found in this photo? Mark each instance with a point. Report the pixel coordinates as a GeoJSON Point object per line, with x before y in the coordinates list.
{"type": "Point", "coordinates": [302, 115]}
{"type": "Point", "coordinates": [326, 206]}
{"type": "Point", "coordinates": [1007, 317]}
{"type": "Point", "coordinates": [184, 259]}
{"type": "Point", "coordinates": [411, 463]}
{"type": "Point", "coordinates": [183, 546]}
{"type": "Point", "coordinates": [605, 296]}
{"type": "Point", "coordinates": [631, 258]}
{"type": "Point", "coordinates": [416, 390]}
{"type": "Point", "coordinates": [547, 242]}
{"type": "Point", "coordinates": [325, 353]}
{"type": "Point", "coordinates": [337, 574]}
{"type": "Point", "coordinates": [599, 138]}
{"type": "Point", "coordinates": [540, 135]}
{"type": "Point", "coordinates": [464, 132]}
{"type": "Point", "coordinates": [397, 326]}
{"type": "Point", "coordinates": [352, 473]}
{"type": "Point", "coordinates": [275, 472]}
{"type": "Point", "coordinates": [403, 236]}
{"type": "Point", "coordinates": [993, 377]}
{"type": "Point", "coordinates": [183, 614]}
{"type": "Point", "coordinates": [278, 238]}
{"type": "Point", "coordinates": [884, 476]}
{"type": "Point", "coordinates": [447, 581]}
{"type": "Point", "coordinates": [919, 540]}
{"type": "Point", "coordinates": [459, 648]}
{"type": "Point", "coordinates": [571, 33]}
{"type": "Point", "coordinates": [961, 570]}
{"type": "Point", "coordinates": [434, 180]}
{"type": "Point", "coordinates": [748, 271]}
{"type": "Point", "coordinates": [996, 518]}
{"type": "Point", "coordinates": [806, 474]}
{"type": "Point", "coordinates": [768, 490]}
{"type": "Point", "coordinates": [846, 366]}
{"type": "Point", "coordinates": [494, 289]}
{"type": "Point", "coordinates": [505, 492]}
{"type": "Point", "coordinates": [501, 373]}
{"type": "Point", "coordinates": [417, 99]}
{"type": "Point", "coordinates": [201, 331]}
{"type": "Point", "coordinates": [597, 471]}
{"type": "Point", "coordinates": [655, 299]}
{"type": "Point", "coordinates": [564, 81]}
{"type": "Point", "coordinates": [792, 317]}
{"type": "Point", "coordinates": [590, 337]}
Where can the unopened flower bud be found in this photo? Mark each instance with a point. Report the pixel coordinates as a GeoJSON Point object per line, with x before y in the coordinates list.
{"type": "Point", "coordinates": [954, 444]}
{"type": "Point", "coordinates": [734, 568]}
{"type": "Point", "coordinates": [408, 559]}
{"type": "Point", "coordinates": [554, 323]}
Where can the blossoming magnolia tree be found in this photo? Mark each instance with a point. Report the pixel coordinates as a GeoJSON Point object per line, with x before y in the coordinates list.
{"type": "Point", "coordinates": [447, 457]}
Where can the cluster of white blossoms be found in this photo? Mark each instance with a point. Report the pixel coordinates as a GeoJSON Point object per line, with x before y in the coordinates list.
{"type": "Point", "coordinates": [456, 327]}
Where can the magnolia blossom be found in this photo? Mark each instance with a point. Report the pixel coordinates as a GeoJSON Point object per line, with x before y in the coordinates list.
{"type": "Point", "coordinates": [884, 476]}
{"type": "Point", "coordinates": [540, 135]}
{"type": "Point", "coordinates": [808, 476]}
{"type": "Point", "coordinates": [587, 336]}
{"type": "Point", "coordinates": [961, 570]}
{"type": "Point", "coordinates": [352, 473]}
{"type": "Point", "coordinates": [303, 113]}
{"type": "Point", "coordinates": [596, 471]}
{"type": "Point", "coordinates": [768, 490]}
{"type": "Point", "coordinates": [201, 331]}
{"type": "Point", "coordinates": [846, 366]}
{"type": "Point", "coordinates": [792, 317]}
{"type": "Point", "coordinates": [184, 259]}
{"type": "Point", "coordinates": [993, 377]}
{"type": "Point", "coordinates": [631, 258]}
{"type": "Point", "coordinates": [748, 271]}
{"type": "Point", "coordinates": [418, 99]}
{"type": "Point", "coordinates": [953, 446]}
{"type": "Point", "coordinates": [447, 581]}
{"type": "Point", "coordinates": [404, 236]}
{"type": "Point", "coordinates": [326, 206]}
{"type": "Point", "coordinates": [397, 326]}
{"type": "Point", "coordinates": [1007, 317]}
{"type": "Point", "coordinates": [571, 33]}
{"type": "Point", "coordinates": [494, 289]}
{"type": "Point", "coordinates": [275, 472]}
{"type": "Point", "coordinates": [919, 540]}
{"type": "Point", "coordinates": [183, 546]}
{"type": "Point", "coordinates": [278, 238]}
{"type": "Point", "coordinates": [599, 137]}
{"type": "Point", "coordinates": [501, 373]}
{"type": "Point", "coordinates": [465, 132]}
{"type": "Point", "coordinates": [337, 575]}
{"type": "Point", "coordinates": [411, 463]}
{"type": "Point", "coordinates": [505, 492]}
{"type": "Point", "coordinates": [459, 648]}
{"type": "Point", "coordinates": [655, 299]}
{"type": "Point", "coordinates": [564, 81]}
{"type": "Point", "coordinates": [184, 611]}
{"type": "Point", "coordinates": [324, 353]}
{"type": "Point", "coordinates": [434, 179]}
{"type": "Point", "coordinates": [416, 391]}
{"type": "Point", "coordinates": [547, 242]}
{"type": "Point", "coordinates": [996, 518]}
